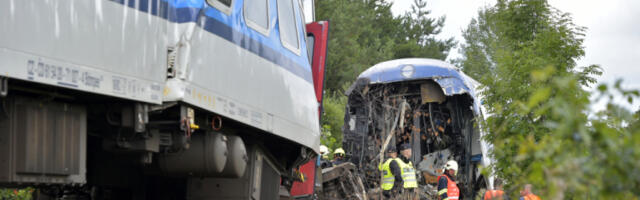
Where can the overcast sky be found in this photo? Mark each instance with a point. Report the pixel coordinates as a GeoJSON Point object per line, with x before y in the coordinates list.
{"type": "Point", "coordinates": [612, 39]}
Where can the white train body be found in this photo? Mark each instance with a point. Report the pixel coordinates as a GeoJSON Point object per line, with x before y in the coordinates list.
{"type": "Point", "coordinates": [151, 82]}
{"type": "Point", "coordinates": [122, 49]}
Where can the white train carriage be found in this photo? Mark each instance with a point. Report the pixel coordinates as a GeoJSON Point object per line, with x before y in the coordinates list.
{"type": "Point", "coordinates": [146, 94]}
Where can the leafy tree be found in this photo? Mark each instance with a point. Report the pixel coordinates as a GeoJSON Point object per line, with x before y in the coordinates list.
{"type": "Point", "coordinates": [415, 35]}
{"type": "Point", "coordinates": [524, 52]}
{"type": "Point", "coordinates": [356, 40]}
{"type": "Point", "coordinates": [365, 32]}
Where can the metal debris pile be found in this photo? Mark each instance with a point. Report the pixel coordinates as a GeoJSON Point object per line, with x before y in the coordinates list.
{"type": "Point", "coordinates": [342, 182]}
{"type": "Point", "coordinates": [438, 127]}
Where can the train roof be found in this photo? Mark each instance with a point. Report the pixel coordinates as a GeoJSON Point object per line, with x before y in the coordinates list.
{"type": "Point", "coordinates": [451, 79]}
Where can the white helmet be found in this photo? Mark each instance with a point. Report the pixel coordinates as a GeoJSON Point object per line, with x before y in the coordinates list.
{"type": "Point", "coordinates": [323, 150]}
{"type": "Point", "coordinates": [451, 165]}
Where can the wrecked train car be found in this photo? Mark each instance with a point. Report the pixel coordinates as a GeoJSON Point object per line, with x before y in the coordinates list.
{"type": "Point", "coordinates": [427, 103]}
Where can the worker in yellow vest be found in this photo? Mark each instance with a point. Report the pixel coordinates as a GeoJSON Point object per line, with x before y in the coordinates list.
{"type": "Point", "coordinates": [391, 173]}
{"type": "Point", "coordinates": [408, 172]}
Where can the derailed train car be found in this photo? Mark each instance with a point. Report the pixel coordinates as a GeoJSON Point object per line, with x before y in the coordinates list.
{"type": "Point", "coordinates": [427, 103]}
{"type": "Point", "coordinates": [158, 99]}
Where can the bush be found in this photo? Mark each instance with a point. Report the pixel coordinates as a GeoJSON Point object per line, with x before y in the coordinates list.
{"type": "Point", "coordinates": [16, 194]}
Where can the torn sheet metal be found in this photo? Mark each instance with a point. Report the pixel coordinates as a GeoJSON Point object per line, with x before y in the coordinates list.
{"type": "Point", "coordinates": [431, 92]}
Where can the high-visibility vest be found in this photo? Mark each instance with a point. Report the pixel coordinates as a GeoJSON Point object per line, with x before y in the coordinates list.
{"type": "Point", "coordinates": [408, 174]}
{"type": "Point", "coordinates": [452, 189]}
{"type": "Point", "coordinates": [387, 177]}
{"type": "Point", "coordinates": [531, 197]}
{"type": "Point", "coordinates": [493, 195]}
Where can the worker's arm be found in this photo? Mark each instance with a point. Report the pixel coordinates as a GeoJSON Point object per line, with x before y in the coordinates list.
{"type": "Point", "coordinates": [397, 174]}
{"type": "Point", "coordinates": [442, 188]}
{"type": "Point", "coordinates": [395, 170]}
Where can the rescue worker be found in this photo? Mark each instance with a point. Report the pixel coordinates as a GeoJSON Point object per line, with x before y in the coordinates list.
{"type": "Point", "coordinates": [391, 174]}
{"type": "Point", "coordinates": [408, 172]}
{"type": "Point", "coordinates": [527, 194]}
{"type": "Point", "coordinates": [323, 150]}
{"type": "Point", "coordinates": [323, 159]}
{"type": "Point", "coordinates": [447, 187]}
{"type": "Point", "coordinates": [338, 156]}
{"type": "Point", "coordinates": [497, 193]}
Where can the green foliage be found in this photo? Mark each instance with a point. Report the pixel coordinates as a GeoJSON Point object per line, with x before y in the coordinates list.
{"type": "Point", "coordinates": [356, 39]}
{"type": "Point", "coordinates": [415, 34]}
{"type": "Point", "coordinates": [16, 194]}
{"type": "Point", "coordinates": [364, 32]}
{"type": "Point", "coordinates": [524, 52]}
{"type": "Point", "coordinates": [332, 120]}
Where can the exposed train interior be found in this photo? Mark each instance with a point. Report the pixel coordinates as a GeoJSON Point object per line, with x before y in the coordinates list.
{"type": "Point", "coordinates": [75, 145]}
{"type": "Point", "coordinates": [439, 128]}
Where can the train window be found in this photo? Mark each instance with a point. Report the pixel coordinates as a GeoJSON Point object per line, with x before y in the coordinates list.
{"type": "Point", "coordinates": [302, 15]}
{"type": "Point", "coordinates": [222, 5]}
{"type": "Point", "coordinates": [256, 13]}
{"type": "Point", "coordinates": [308, 9]}
{"type": "Point", "coordinates": [288, 26]}
{"type": "Point", "coordinates": [310, 42]}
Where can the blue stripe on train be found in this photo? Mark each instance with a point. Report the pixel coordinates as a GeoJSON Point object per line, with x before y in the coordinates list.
{"type": "Point", "coordinates": [172, 10]}
{"type": "Point", "coordinates": [179, 11]}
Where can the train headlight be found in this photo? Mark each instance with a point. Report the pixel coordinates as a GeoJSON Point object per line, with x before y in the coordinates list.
{"type": "Point", "coordinates": [407, 71]}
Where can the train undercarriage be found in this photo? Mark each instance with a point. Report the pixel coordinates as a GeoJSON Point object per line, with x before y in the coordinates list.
{"type": "Point", "coordinates": [72, 146]}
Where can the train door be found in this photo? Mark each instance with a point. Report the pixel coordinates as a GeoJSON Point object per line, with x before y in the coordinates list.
{"type": "Point", "coordinates": [317, 40]}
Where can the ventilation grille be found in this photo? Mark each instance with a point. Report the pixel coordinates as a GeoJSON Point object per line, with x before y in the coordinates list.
{"type": "Point", "coordinates": [269, 186]}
